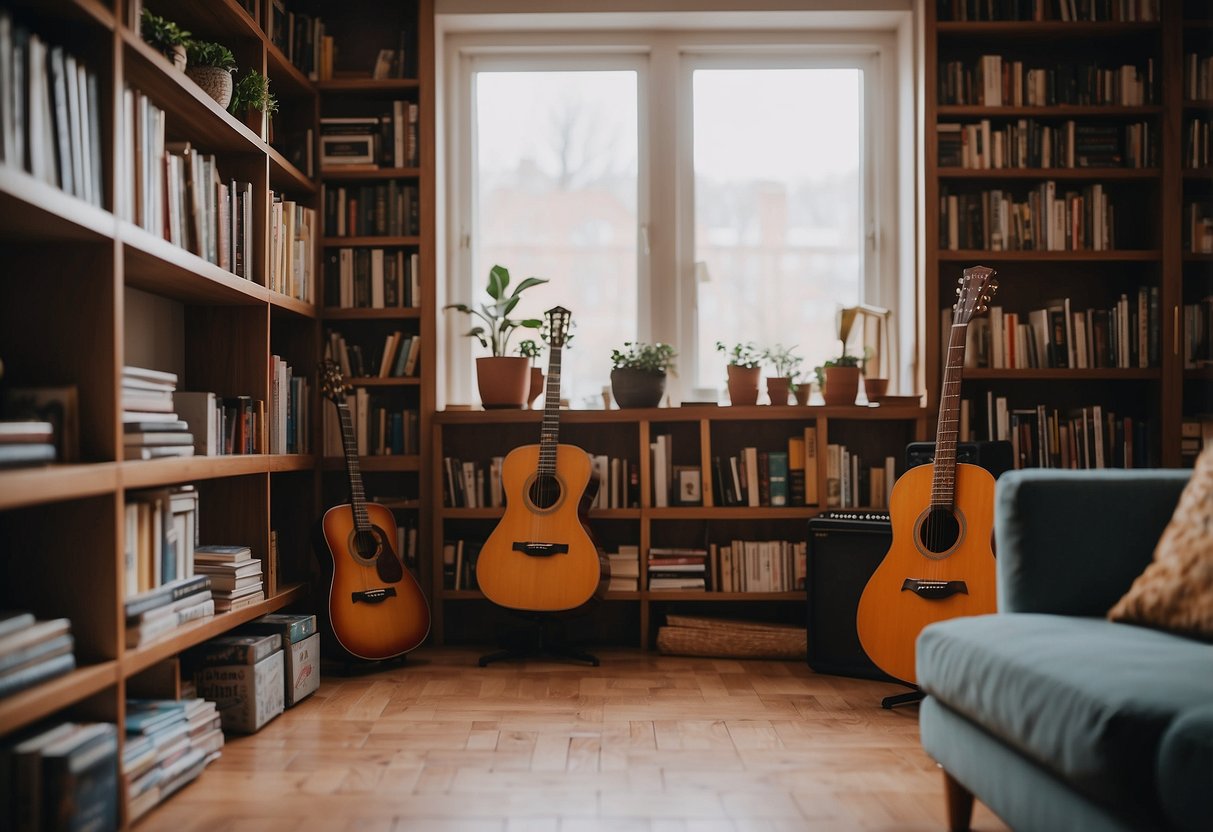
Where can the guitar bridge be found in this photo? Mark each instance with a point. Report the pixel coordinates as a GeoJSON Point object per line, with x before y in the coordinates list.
{"type": "Point", "coordinates": [934, 590]}
{"type": "Point", "coordinates": [373, 596]}
{"type": "Point", "coordinates": [541, 550]}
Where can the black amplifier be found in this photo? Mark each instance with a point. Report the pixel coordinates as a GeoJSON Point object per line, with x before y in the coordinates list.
{"type": "Point", "coordinates": [845, 547]}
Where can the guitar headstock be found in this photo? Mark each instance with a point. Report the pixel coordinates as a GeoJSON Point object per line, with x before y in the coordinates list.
{"type": "Point", "coordinates": [559, 319]}
{"type": "Point", "coordinates": [332, 383]}
{"type": "Point", "coordinates": [976, 289]}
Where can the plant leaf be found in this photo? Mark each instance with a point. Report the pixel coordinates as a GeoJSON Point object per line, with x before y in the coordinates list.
{"type": "Point", "coordinates": [528, 283]}
{"type": "Point", "coordinates": [499, 278]}
{"type": "Point", "coordinates": [531, 323]}
{"type": "Point", "coordinates": [461, 307]}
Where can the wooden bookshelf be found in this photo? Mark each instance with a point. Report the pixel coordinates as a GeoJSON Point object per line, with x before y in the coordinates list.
{"type": "Point", "coordinates": [699, 433]}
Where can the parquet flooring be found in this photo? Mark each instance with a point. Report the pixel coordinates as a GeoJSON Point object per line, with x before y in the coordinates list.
{"type": "Point", "coordinates": [644, 742]}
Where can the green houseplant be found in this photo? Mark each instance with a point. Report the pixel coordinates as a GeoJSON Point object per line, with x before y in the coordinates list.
{"type": "Point", "coordinates": [744, 369]}
{"type": "Point", "coordinates": [786, 366]}
{"type": "Point", "coordinates": [839, 379]}
{"type": "Point", "coordinates": [531, 350]}
{"type": "Point", "coordinates": [253, 101]}
{"type": "Point", "coordinates": [503, 379]}
{"type": "Point", "coordinates": [639, 371]}
{"type": "Point", "coordinates": [165, 36]}
{"type": "Point", "coordinates": [211, 66]}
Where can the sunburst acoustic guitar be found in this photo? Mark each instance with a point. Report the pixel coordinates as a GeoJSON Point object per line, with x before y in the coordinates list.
{"type": "Point", "coordinates": [541, 556]}
{"type": "Point", "coordinates": [376, 608]}
{"type": "Point", "coordinates": [940, 564]}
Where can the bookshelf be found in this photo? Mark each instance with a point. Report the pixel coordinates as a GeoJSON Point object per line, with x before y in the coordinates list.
{"type": "Point", "coordinates": [1144, 182]}
{"type": "Point", "coordinates": [698, 434]}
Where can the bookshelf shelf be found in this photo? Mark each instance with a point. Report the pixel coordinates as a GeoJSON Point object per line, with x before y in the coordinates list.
{"type": "Point", "coordinates": [1062, 374]}
{"type": "Point", "coordinates": [384, 382]}
{"type": "Point", "coordinates": [156, 265]}
{"type": "Point", "coordinates": [368, 85]}
{"type": "Point", "coordinates": [92, 12]}
{"type": "Point", "coordinates": [30, 486]}
{"type": "Point", "coordinates": [1068, 174]}
{"type": "Point", "coordinates": [284, 75]}
{"type": "Point", "coordinates": [971, 256]}
{"type": "Point", "coordinates": [392, 314]}
{"type": "Point", "coordinates": [708, 597]}
{"type": "Point", "coordinates": [377, 242]}
{"type": "Point", "coordinates": [1205, 374]}
{"type": "Point", "coordinates": [212, 18]}
{"type": "Point", "coordinates": [494, 513]}
{"type": "Point", "coordinates": [287, 177]}
{"type": "Point", "coordinates": [1053, 111]}
{"type": "Point", "coordinates": [731, 513]}
{"type": "Point", "coordinates": [377, 463]}
{"type": "Point", "coordinates": [34, 210]}
{"type": "Point", "coordinates": [29, 706]}
{"type": "Point", "coordinates": [1198, 174]}
{"type": "Point", "coordinates": [340, 175]}
{"type": "Point", "coordinates": [157, 472]}
{"type": "Point", "coordinates": [286, 303]}
{"type": "Point", "coordinates": [1197, 257]}
{"type": "Point", "coordinates": [755, 413]}
{"type": "Point", "coordinates": [1043, 29]}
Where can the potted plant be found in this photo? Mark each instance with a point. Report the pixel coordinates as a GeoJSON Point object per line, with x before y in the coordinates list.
{"type": "Point", "coordinates": [211, 66]}
{"type": "Point", "coordinates": [745, 369]}
{"type": "Point", "coordinates": [504, 380]}
{"type": "Point", "coordinates": [802, 388]}
{"type": "Point", "coordinates": [786, 365]}
{"type": "Point", "coordinates": [639, 371]}
{"type": "Point", "coordinates": [252, 100]}
{"type": "Point", "coordinates": [839, 379]}
{"type": "Point", "coordinates": [531, 351]}
{"type": "Point", "coordinates": [165, 36]}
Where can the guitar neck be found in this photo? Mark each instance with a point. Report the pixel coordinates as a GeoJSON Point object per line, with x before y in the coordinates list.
{"type": "Point", "coordinates": [943, 486]}
{"type": "Point", "coordinates": [362, 520]}
{"type": "Point", "coordinates": [549, 433]}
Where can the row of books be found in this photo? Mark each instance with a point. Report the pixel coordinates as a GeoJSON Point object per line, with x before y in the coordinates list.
{"type": "Point", "coordinates": [176, 192]}
{"type": "Point", "coordinates": [1195, 434]}
{"type": "Point", "coordinates": [468, 484]}
{"type": "Point", "coordinates": [1112, 11]}
{"type": "Point", "coordinates": [160, 536]}
{"type": "Point", "coordinates": [459, 563]}
{"type": "Point", "coordinates": [625, 568]}
{"type": "Point", "coordinates": [60, 776]}
{"type": "Point", "coordinates": [290, 424]}
{"type": "Point", "coordinates": [1041, 220]}
{"type": "Point", "coordinates": [151, 429]}
{"type": "Point", "coordinates": [223, 425]}
{"type": "Point", "coordinates": [1123, 336]}
{"type": "Point", "coordinates": [677, 568]}
{"type": "Point", "coordinates": [168, 744]}
{"type": "Point", "coordinates": [385, 210]}
{"type": "Point", "coordinates": [995, 81]}
{"type": "Point", "coordinates": [372, 278]}
{"type": "Point", "coordinates": [292, 249]}
{"type": "Point", "coordinates": [1027, 143]}
{"type": "Point", "coordinates": [301, 38]}
{"type": "Point", "coordinates": [1198, 77]}
{"type": "Point", "coordinates": [756, 478]}
{"type": "Point", "coordinates": [1081, 437]}
{"type": "Point", "coordinates": [398, 357]}
{"type": "Point", "coordinates": [852, 483]}
{"type": "Point", "coordinates": [50, 113]}
{"type": "Point", "coordinates": [382, 427]}
{"type": "Point", "coordinates": [33, 651]}
{"type": "Point", "coordinates": [25, 442]}
{"type": "Point", "coordinates": [1198, 230]}
{"type": "Point", "coordinates": [371, 142]}
{"type": "Point", "coordinates": [759, 565]}
{"type": "Point", "coordinates": [1198, 143]}
{"type": "Point", "coordinates": [236, 577]}
{"type": "Point", "coordinates": [1198, 334]}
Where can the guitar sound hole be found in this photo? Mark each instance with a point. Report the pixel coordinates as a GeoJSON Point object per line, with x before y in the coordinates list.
{"type": "Point", "coordinates": [365, 544]}
{"type": "Point", "coordinates": [939, 530]}
{"type": "Point", "coordinates": [545, 491]}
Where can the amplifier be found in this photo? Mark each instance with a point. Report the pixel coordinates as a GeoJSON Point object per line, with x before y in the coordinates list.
{"type": "Point", "coordinates": [995, 457]}
{"type": "Point", "coordinates": [845, 547]}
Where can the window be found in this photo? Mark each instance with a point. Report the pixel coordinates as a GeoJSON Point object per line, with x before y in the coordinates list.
{"type": "Point", "coordinates": [680, 187]}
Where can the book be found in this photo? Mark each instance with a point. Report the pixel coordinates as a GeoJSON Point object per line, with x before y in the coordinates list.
{"type": "Point", "coordinates": [28, 675]}
{"type": "Point", "coordinates": [167, 594]}
{"type": "Point", "coordinates": [777, 465]}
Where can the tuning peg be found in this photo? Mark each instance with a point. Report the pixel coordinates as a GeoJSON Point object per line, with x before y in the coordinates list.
{"type": "Point", "coordinates": [958, 291]}
{"type": "Point", "coordinates": [960, 281]}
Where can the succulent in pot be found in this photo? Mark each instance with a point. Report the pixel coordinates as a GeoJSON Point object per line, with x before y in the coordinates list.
{"type": "Point", "coordinates": [211, 66]}
{"type": "Point", "coordinates": [839, 379]}
{"type": "Point", "coordinates": [165, 36]}
{"type": "Point", "coordinates": [639, 372]}
{"type": "Point", "coordinates": [786, 365]}
{"type": "Point", "coordinates": [744, 369]}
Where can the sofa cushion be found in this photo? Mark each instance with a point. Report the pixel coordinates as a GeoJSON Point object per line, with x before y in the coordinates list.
{"type": "Point", "coordinates": [1175, 592]}
{"type": "Point", "coordinates": [1185, 770]}
{"type": "Point", "coordinates": [1086, 698]}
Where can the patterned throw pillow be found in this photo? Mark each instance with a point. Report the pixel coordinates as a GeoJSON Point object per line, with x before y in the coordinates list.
{"type": "Point", "coordinates": [1175, 593]}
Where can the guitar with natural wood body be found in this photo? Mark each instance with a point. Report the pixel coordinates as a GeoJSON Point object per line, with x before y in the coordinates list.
{"type": "Point", "coordinates": [541, 556]}
{"type": "Point", "coordinates": [376, 608]}
{"type": "Point", "coordinates": [940, 564]}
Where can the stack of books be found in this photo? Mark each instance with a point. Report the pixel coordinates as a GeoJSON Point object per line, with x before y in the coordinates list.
{"type": "Point", "coordinates": [151, 429]}
{"type": "Point", "coordinates": [388, 140]}
{"type": "Point", "coordinates": [236, 578]}
{"type": "Point", "coordinates": [26, 442]}
{"type": "Point", "coordinates": [151, 614]}
{"type": "Point", "coordinates": [33, 651]}
{"type": "Point", "coordinates": [675, 568]}
{"type": "Point", "coordinates": [62, 776]}
{"type": "Point", "coordinates": [625, 569]}
{"type": "Point", "coordinates": [168, 744]}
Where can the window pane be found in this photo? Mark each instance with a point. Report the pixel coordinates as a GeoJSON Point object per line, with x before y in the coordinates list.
{"type": "Point", "coordinates": [556, 194]}
{"type": "Point", "coordinates": [778, 212]}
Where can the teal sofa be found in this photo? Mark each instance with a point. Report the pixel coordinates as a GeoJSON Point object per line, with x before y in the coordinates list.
{"type": "Point", "coordinates": [1052, 716]}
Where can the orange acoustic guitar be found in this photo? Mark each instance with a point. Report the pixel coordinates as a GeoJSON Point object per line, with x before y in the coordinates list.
{"type": "Point", "coordinates": [376, 608]}
{"type": "Point", "coordinates": [541, 557]}
{"type": "Point", "coordinates": [940, 564]}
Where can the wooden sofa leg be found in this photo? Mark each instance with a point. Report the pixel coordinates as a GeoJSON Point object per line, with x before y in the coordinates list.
{"type": "Point", "coordinates": [960, 804]}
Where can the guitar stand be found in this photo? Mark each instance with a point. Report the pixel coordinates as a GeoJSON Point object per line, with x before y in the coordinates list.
{"type": "Point", "coordinates": [545, 638]}
{"type": "Point", "coordinates": [912, 697]}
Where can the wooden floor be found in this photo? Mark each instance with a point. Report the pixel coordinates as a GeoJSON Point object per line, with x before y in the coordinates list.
{"type": "Point", "coordinates": [644, 742]}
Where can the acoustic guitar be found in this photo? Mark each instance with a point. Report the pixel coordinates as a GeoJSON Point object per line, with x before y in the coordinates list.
{"type": "Point", "coordinates": [376, 608]}
{"type": "Point", "coordinates": [541, 556]}
{"type": "Point", "coordinates": [940, 563]}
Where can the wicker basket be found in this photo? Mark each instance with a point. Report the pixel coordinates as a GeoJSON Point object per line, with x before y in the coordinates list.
{"type": "Point", "coordinates": [688, 635]}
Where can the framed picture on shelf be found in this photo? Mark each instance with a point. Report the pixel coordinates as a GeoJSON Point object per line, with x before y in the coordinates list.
{"type": "Point", "coordinates": [689, 483]}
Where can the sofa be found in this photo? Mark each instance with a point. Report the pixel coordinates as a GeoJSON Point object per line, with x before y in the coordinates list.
{"type": "Point", "coordinates": [1052, 716]}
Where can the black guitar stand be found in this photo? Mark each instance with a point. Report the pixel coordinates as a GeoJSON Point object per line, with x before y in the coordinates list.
{"type": "Point", "coordinates": [912, 697]}
{"type": "Point", "coordinates": [542, 636]}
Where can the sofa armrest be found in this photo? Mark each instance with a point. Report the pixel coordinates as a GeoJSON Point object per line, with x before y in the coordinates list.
{"type": "Point", "coordinates": [1072, 542]}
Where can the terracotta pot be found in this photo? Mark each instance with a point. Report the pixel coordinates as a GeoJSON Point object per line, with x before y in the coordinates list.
{"type": "Point", "coordinates": [778, 388]}
{"type": "Point", "coordinates": [637, 388]}
{"type": "Point", "coordinates": [842, 385]}
{"type": "Point", "coordinates": [803, 391]}
{"type": "Point", "coordinates": [215, 82]}
{"type": "Point", "coordinates": [504, 381]}
{"type": "Point", "coordinates": [178, 56]}
{"type": "Point", "coordinates": [536, 389]}
{"type": "Point", "coordinates": [874, 388]}
{"type": "Point", "coordinates": [743, 384]}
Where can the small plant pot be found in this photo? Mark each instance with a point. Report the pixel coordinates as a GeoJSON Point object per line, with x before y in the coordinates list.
{"type": "Point", "coordinates": [214, 81]}
{"type": "Point", "coordinates": [536, 386]}
{"type": "Point", "coordinates": [778, 388]}
{"type": "Point", "coordinates": [504, 382]}
{"type": "Point", "coordinates": [637, 388]}
{"type": "Point", "coordinates": [743, 384]}
{"type": "Point", "coordinates": [803, 391]}
{"type": "Point", "coordinates": [841, 385]}
{"type": "Point", "coordinates": [177, 56]}
{"type": "Point", "coordinates": [875, 388]}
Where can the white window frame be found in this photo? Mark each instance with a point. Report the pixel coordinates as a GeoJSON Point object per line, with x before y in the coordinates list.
{"type": "Point", "coordinates": [665, 62]}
